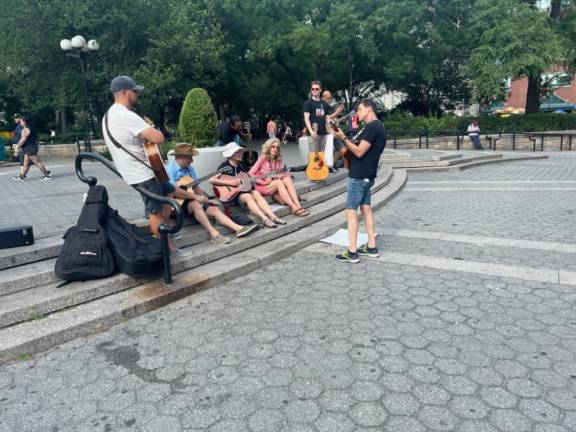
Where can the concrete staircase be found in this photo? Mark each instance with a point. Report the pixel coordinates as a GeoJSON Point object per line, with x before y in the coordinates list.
{"type": "Point", "coordinates": [426, 159]}
{"type": "Point", "coordinates": [37, 313]}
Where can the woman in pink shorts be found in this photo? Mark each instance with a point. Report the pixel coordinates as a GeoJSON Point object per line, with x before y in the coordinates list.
{"type": "Point", "coordinates": [280, 186]}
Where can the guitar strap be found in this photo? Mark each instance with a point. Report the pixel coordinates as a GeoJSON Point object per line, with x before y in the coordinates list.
{"type": "Point", "coordinates": [120, 146]}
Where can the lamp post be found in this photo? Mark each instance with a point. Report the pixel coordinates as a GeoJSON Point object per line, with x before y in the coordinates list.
{"type": "Point", "coordinates": [78, 48]}
{"type": "Point", "coordinates": [350, 78]}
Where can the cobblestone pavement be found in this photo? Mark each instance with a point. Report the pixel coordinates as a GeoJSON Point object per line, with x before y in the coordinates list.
{"type": "Point", "coordinates": [545, 213]}
{"type": "Point", "coordinates": [308, 344]}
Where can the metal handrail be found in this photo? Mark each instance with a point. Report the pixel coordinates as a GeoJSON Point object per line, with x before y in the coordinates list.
{"type": "Point", "coordinates": [162, 228]}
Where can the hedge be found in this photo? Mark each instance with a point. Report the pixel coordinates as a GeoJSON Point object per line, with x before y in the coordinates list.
{"type": "Point", "coordinates": [198, 123]}
{"type": "Point", "coordinates": [488, 124]}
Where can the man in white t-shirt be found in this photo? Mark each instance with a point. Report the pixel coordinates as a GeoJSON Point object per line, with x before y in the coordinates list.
{"type": "Point", "coordinates": [131, 131]}
{"type": "Point", "coordinates": [474, 134]}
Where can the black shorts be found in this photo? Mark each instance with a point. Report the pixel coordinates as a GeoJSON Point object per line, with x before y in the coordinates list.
{"type": "Point", "coordinates": [30, 150]}
{"type": "Point", "coordinates": [152, 206]}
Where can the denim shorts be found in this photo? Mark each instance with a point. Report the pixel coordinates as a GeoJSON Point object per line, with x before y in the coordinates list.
{"type": "Point", "coordinates": [358, 192]}
{"type": "Point", "coordinates": [152, 206]}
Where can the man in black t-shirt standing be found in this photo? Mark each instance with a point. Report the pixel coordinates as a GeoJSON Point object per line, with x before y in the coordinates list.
{"type": "Point", "coordinates": [363, 170]}
{"type": "Point", "coordinates": [316, 111]}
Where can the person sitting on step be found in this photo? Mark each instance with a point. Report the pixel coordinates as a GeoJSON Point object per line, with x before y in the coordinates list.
{"type": "Point", "coordinates": [256, 203]}
{"type": "Point", "coordinates": [280, 187]}
{"type": "Point", "coordinates": [199, 207]}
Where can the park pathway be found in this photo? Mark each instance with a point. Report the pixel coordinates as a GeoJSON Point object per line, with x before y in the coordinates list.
{"type": "Point", "coordinates": [467, 322]}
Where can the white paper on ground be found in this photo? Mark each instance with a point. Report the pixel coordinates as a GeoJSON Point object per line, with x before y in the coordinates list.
{"type": "Point", "coordinates": [340, 238]}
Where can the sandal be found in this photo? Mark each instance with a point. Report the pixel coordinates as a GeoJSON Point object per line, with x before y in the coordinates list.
{"type": "Point", "coordinates": [269, 224]}
{"type": "Point", "coordinates": [301, 212]}
{"type": "Point", "coordinates": [279, 221]}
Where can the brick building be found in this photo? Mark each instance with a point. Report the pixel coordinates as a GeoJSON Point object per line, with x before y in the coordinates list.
{"type": "Point", "coordinates": [562, 97]}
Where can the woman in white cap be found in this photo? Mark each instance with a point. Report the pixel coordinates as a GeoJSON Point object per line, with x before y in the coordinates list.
{"type": "Point", "coordinates": [253, 199]}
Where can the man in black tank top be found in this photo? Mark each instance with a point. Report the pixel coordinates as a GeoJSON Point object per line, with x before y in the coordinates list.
{"type": "Point", "coordinates": [365, 157]}
{"type": "Point", "coordinates": [28, 143]}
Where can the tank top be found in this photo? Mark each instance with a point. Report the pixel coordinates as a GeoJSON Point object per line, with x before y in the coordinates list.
{"type": "Point", "coordinates": [32, 138]}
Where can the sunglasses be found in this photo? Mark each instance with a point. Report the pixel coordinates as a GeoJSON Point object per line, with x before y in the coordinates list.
{"type": "Point", "coordinates": [315, 89]}
{"type": "Point", "coordinates": [274, 146]}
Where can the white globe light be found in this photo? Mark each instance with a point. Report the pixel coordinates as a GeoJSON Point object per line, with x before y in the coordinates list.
{"type": "Point", "coordinates": [78, 41]}
{"type": "Point", "coordinates": [93, 45]}
{"type": "Point", "coordinates": [66, 45]}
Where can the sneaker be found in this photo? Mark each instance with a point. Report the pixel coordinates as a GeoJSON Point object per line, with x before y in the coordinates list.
{"type": "Point", "coordinates": [368, 251]}
{"type": "Point", "coordinates": [348, 256]}
{"type": "Point", "coordinates": [180, 253]}
{"type": "Point", "coordinates": [243, 232]}
{"type": "Point", "coordinates": [46, 176]}
{"type": "Point", "coordinates": [176, 236]}
{"type": "Point", "coordinates": [20, 178]}
{"type": "Point", "coordinates": [220, 239]}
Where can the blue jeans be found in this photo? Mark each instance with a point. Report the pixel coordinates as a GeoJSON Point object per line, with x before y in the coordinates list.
{"type": "Point", "coordinates": [476, 141]}
{"type": "Point", "coordinates": [358, 192]}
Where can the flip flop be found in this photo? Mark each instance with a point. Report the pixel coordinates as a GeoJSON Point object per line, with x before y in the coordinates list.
{"type": "Point", "coordinates": [301, 212]}
{"type": "Point", "coordinates": [269, 224]}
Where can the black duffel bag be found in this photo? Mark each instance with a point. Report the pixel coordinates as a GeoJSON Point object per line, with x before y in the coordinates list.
{"type": "Point", "coordinates": [136, 253]}
{"type": "Point", "coordinates": [86, 254]}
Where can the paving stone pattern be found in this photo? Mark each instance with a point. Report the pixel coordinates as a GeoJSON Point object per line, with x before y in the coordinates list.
{"type": "Point", "coordinates": [308, 344]}
{"type": "Point", "coordinates": [527, 215]}
{"type": "Point", "coordinates": [346, 348]}
{"type": "Point", "coordinates": [534, 258]}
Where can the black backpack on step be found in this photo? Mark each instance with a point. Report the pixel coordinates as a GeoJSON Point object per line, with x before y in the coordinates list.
{"type": "Point", "coordinates": [136, 253]}
{"type": "Point", "coordinates": [85, 254]}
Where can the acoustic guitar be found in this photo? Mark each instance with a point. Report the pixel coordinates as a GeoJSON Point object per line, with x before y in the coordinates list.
{"type": "Point", "coordinates": [188, 183]}
{"type": "Point", "coordinates": [344, 151]}
{"type": "Point", "coordinates": [155, 158]}
{"type": "Point", "coordinates": [316, 170]}
{"type": "Point", "coordinates": [228, 193]}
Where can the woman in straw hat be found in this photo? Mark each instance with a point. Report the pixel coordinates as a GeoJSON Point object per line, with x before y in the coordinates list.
{"type": "Point", "coordinates": [197, 205]}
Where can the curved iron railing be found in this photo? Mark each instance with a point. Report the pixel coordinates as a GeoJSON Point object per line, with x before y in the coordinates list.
{"type": "Point", "coordinates": [163, 229]}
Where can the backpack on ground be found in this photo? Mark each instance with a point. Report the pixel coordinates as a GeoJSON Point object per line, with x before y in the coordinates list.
{"type": "Point", "coordinates": [136, 253]}
{"type": "Point", "coordinates": [86, 254]}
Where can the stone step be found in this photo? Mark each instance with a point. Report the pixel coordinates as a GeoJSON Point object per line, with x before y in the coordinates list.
{"type": "Point", "coordinates": [474, 162]}
{"type": "Point", "coordinates": [50, 247]}
{"type": "Point", "coordinates": [84, 319]}
{"type": "Point", "coordinates": [430, 163]}
{"type": "Point", "coordinates": [37, 273]}
{"type": "Point", "coordinates": [42, 299]}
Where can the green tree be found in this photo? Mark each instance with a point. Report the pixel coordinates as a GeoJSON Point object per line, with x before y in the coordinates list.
{"type": "Point", "coordinates": [516, 40]}
{"type": "Point", "coordinates": [198, 122]}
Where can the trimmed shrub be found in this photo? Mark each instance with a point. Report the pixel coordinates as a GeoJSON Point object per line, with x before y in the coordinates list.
{"type": "Point", "coordinates": [198, 123]}
{"type": "Point", "coordinates": [488, 124]}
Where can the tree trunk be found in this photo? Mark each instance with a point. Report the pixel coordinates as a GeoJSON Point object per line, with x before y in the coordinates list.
{"type": "Point", "coordinates": [555, 8]}
{"type": "Point", "coordinates": [533, 94]}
